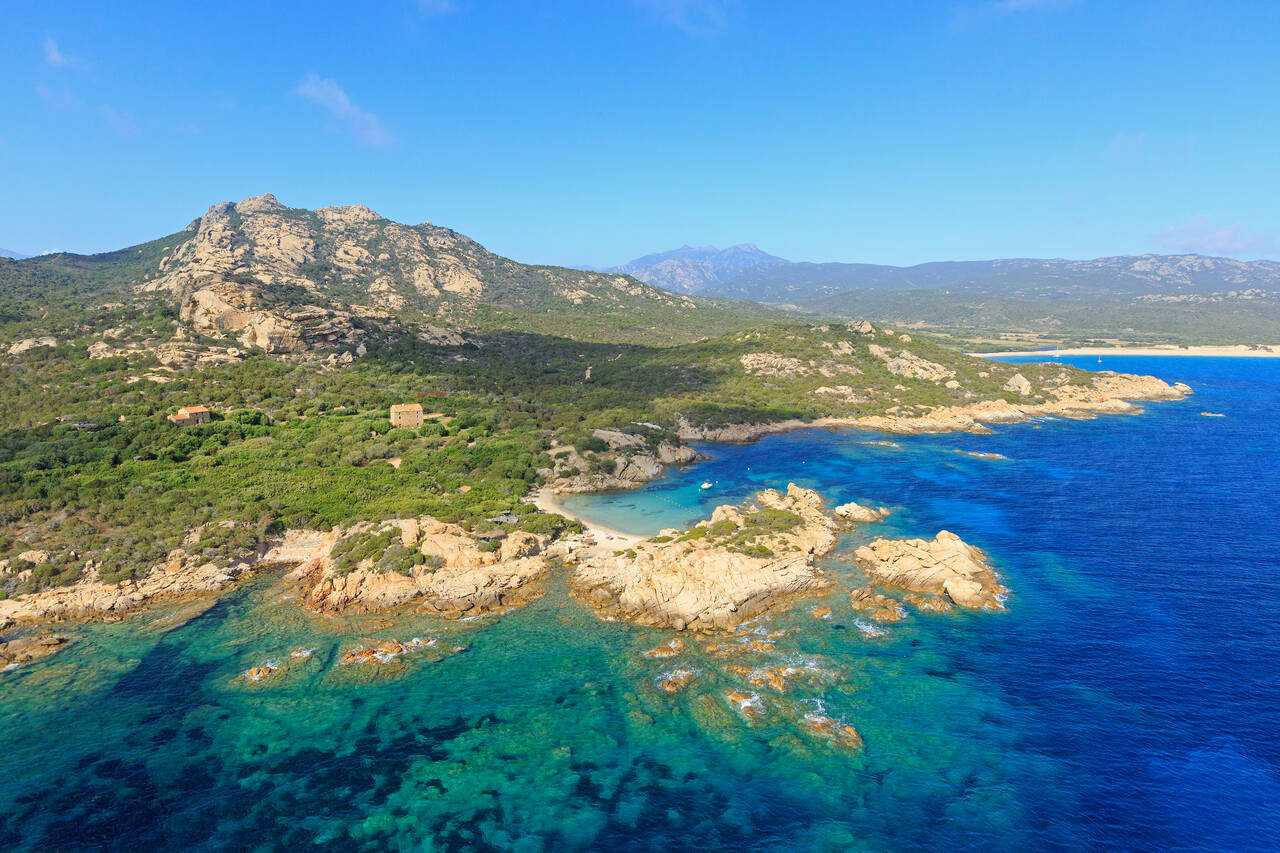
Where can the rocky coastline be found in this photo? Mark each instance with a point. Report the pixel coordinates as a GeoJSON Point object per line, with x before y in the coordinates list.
{"type": "Point", "coordinates": [462, 579]}
{"type": "Point", "coordinates": [453, 577]}
{"type": "Point", "coordinates": [745, 561]}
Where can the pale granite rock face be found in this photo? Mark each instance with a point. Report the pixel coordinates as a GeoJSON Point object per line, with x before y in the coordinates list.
{"type": "Point", "coordinates": [19, 347]}
{"type": "Point", "coordinates": [909, 365]}
{"type": "Point", "coordinates": [1019, 384]}
{"type": "Point", "coordinates": [856, 512]}
{"type": "Point", "coordinates": [944, 564]}
{"type": "Point", "coordinates": [468, 580]}
{"type": "Point", "coordinates": [700, 583]}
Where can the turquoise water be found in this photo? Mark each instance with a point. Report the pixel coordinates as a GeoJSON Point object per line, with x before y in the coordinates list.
{"type": "Point", "coordinates": [1128, 699]}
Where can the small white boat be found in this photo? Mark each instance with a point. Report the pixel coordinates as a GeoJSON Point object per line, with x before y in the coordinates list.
{"type": "Point", "coordinates": [706, 484]}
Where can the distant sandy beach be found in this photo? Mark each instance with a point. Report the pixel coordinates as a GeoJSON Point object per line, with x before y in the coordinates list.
{"type": "Point", "coordinates": [1239, 351]}
{"type": "Point", "coordinates": [546, 501]}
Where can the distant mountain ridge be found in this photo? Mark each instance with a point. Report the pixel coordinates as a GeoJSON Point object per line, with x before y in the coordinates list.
{"type": "Point", "coordinates": [691, 269]}
{"type": "Point", "coordinates": [746, 272]}
{"type": "Point", "coordinates": [10, 253]}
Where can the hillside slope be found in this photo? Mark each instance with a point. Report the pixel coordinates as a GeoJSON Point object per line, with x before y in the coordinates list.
{"type": "Point", "coordinates": [285, 280]}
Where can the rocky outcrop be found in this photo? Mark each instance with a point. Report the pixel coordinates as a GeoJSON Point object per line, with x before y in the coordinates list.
{"type": "Point", "coordinates": [909, 365]}
{"type": "Point", "coordinates": [634, 462]}
{"type": "Point", "coordinates": [943, 565]}
{"type": "Point", "coordinates": [22, 650]}
{"type": "Point", "coordinates": [855, 512]}
{"type": "Point", "coordinates": [707, 579]}
{"type": "Point", "coordinates": [19, 347]}
{"type": "Point", "coordinates": [243, 269]}
{"type": "Point", "coordinates": [867, 602]}
{"type": "Point", "coordinates": [220, 308]}
{"type": "Point", "coordinates": [460, 578]}
{"type": "Point", "coordinates": [180, 576]}
{"type": "Point", "coordinates": [1019, 384]}
{"type": "Point", "coordinates": [773, 364]}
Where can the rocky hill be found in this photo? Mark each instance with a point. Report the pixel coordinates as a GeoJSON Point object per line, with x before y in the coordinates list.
{"type": "Point", "coordinates": [284, 279]}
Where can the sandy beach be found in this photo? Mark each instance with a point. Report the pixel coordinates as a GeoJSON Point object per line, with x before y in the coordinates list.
{"type": "Point", "coordinates": [605, 535]}
{"type": "Point", "coordinates": [1238, 351]}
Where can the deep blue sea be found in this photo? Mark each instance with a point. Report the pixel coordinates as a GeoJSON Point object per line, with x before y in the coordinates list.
{"type": "Point", "coordinates": [1129, 698]}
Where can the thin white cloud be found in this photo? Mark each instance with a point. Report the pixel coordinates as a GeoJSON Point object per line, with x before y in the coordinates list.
{"type": "Point", "coordinates": [366, 127]}
{"type": "Point", "coordinates": [699, 17]}
{"type": "Point", "coordinates": [1125, 146]}
{"type": "Point", "coordinates": [436, 7]}
{"type": "Point", "coordinates": [55, 58]}
{"type": "Point", "coordinates": [121, 123]}
{"type": "Point", "coordinates": [965, 16]}
{"type": "Point", "coordinates": [1200, 235]}
{"type": "Point", "coordinates": [1009, 7]}
{"type": "Point", "coordinates": [59, 97]}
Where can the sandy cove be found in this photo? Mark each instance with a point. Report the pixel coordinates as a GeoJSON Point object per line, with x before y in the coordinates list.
{"type": "Point", "coordinates": [1237, 351]}
{"type": "Point", "coordinates": [614, 539]}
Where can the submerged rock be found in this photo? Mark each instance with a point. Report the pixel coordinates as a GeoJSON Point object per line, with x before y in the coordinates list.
{"type": "Point", "coordinates": [873, 605]}
{"type": "Point", "coordinates": [385, 651]}
{"type": "Point", "coordinates": [929, 603]}
{"type": "Point", "coordinates": [676, 680]}
{"type": "Point", "coordinates": [666, 650]}
{"type": "Point", "coordinates": [27, 649]}
{"type": "Point", "coordinates": [258, 673]}
{"type": "Point", "coordinates": [944, 565]}
{"type": "Point", "coordinates": [748, 705]}
{"type": "Point", "coordinates": [841, 734]}
{"type": "Point", "coordinates": [778, 678]}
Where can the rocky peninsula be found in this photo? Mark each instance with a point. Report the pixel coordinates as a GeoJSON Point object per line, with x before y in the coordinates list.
{"type": "Point", "coordinates": [746, 560]}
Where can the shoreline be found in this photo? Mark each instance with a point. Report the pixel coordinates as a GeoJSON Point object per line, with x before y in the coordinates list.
{"type": "Point", "coordinates": [546, 502]}
{"type": "Point", "coordinates": [1234, 351]}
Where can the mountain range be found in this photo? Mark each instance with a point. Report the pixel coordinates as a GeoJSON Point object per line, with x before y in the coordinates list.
{"type": "Point", "coordinates": [10, 253]}
{"type": "Point", "coordinates": [746, 272]}
{"type": "Point", "coordinates": [1178, 298]}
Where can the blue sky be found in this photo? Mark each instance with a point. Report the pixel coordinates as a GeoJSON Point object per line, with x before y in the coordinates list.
{"type": "Point", "coordinates": [597, 131]}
